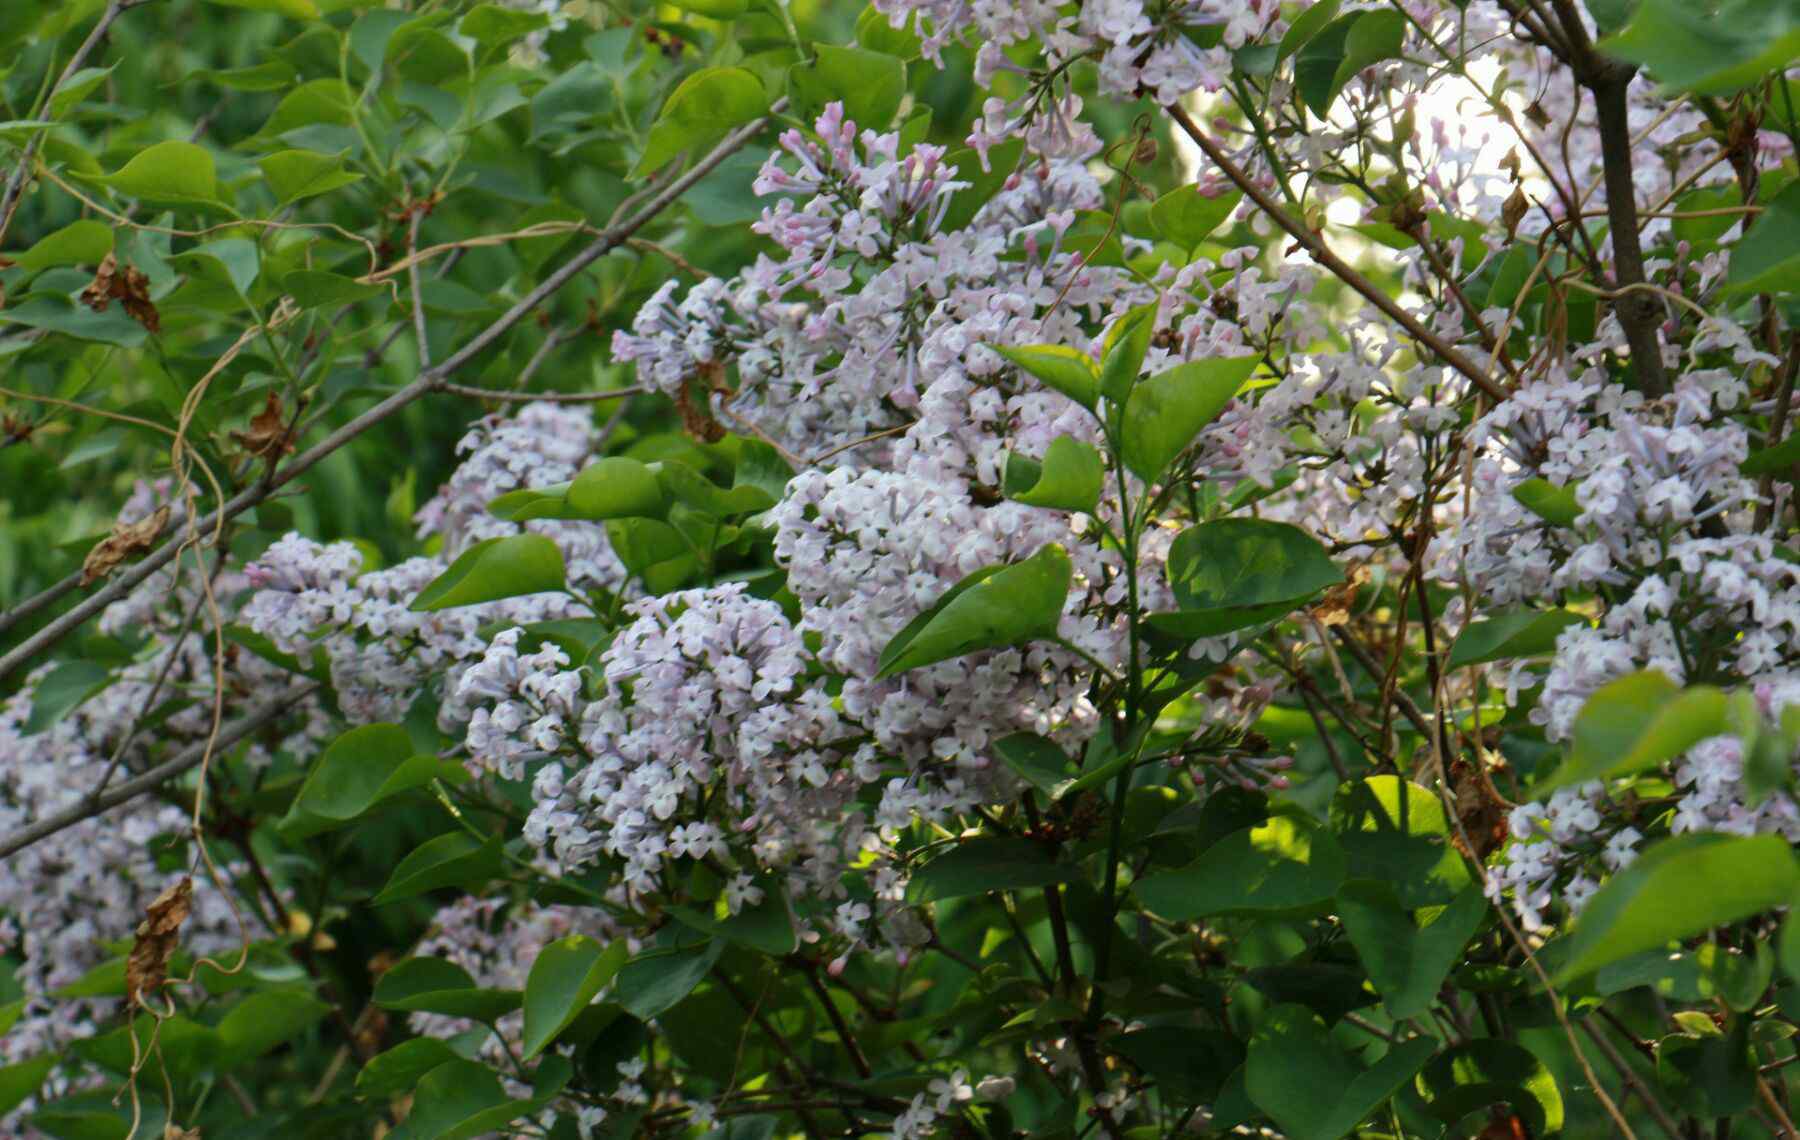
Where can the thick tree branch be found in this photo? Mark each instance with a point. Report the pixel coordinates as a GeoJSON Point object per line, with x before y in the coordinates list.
{"type": "Point", "coordinates": [1321, 253]}
{"type": "Point", "coordinates": [1638, 310]}
{"type": "Point", "coordinates": [432, 380]}
{"type": "Point", "coordinates": [103, 800]}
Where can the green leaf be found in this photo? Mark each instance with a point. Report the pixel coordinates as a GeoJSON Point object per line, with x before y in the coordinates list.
{"type": "Point", "coordinates": [616, 487]}
{"type": "Point", "coordinates": [353, 773]}
{"type": "Point", "coordinates": [877, 33]}
{"type": "Point", "coordinates": [716, 9]}
{"type": "Point", "coordinates": [176, 174]}
{"type": "Point", "coordinates": [1475, 1074]}
{"type": "Point", "coordinates": [1236, 572]}
{"type": "Point", "coordinates": [1710, 1076]}
{"type": "Point", "coordinates": [986, 863]}
{"type": "Point", "coordinates": [1164, 413]}
{"type": "Point", "coordinates": [1717, 878]}
{"type": "Point", "coordinates": [870, 85]}
{"type": "Point", "coordinates": [1069, 478]}
{"type": "Point", "coordinates": [432, 985]}
{"type": "Point", "coordinates": [1780, 460]}
{"type": "Point", "coordinates": [396, 1071]}
{"type": "Point", "coordinates": [454, 859]}
{"type": "Point", "coordinates": [62, 691]}
{"type": "Point", "coordinates": [994, 607]}
{"type": "Point", "coordinates": [264, 1020]}
{"type": "Point", "coordinates": [1059, 367]}
{"type": "Point", "coordinates": [86, 242]}
{"type": "Point", "coordinates": [294, 9]}
{"type": "Point", "coordinates": [317, 289]}
{"type": "Point", "coordinates": [1188, 1064]}
{"type": "Point", "coordinates": [1283, 864]}
{"type": "Point", "coordinates": [1187, 217]}
{"type": "Point", "coordinates": [62, 315]}
{"type": "Point", "coordinates": [565, 977]}
{"type": "Point", "coordinates": [1312, 1087]}
{"type": "Point", "coordinates": [497, 568]}
{"type": "Point", "coordinates": [766, 926]}
{"type": "Point", "coordinates": [495, 25]}
{"type": "Point", "coordinates": [1333, 56]}
{"type": "Point", "coordinates": [318, 102]}
{"type": "Point", "coordinates": [1555, 505]}
{"type": "Point", "coordinates": [19, 1081]}
{"type": "Point", "coordinates": [1635, 723]}
{"type": "Point", "coordinates": [983, 181]}
{"type": "Point", "coordinates": [1767, 258]}
{"type": "Point", "coordinates": [1712, 49]}
{"type": "Point", "coordinates": [270, 75]}
{"type": "Point", "coordinates": [655, 981]}
{"type": "Point", "coordinates": [459, 1100]}
{"type": "Point", "coordinates": [296, 174]}
{"type": "Point", "coordinates": [1122, 354]}
{"type": "Point", "coordinates": [707, 103]}
{"type": "Point", "coordinates": [1307, 25]}
{"type": "Point", "coordinates": [1526, 633]}
{"type": "Point", "coordinates": [76, 88]}
{"type": "Point", "coordinates": [1408, 953]}
{"type": "Point", "coordinates": [1395, 831]}
{"type": "Point", "coordinates": [1037, 761]}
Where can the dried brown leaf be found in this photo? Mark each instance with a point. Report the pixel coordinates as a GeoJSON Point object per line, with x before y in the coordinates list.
{"type": "Point", "coordinates": [1514, 209]}
{"type": "Point", "coordinates": [147, 966]}
{"type": "Point", "coordinates": [125, 540]}
{"type": "Point", "coordinates": [126, 285]}
{"type": "Point", "coordinates": [174, 1132]}
{"type": "Point", "coordinates": [1334, 607]}
{"type": "Point", "coordinates": [269, 437]}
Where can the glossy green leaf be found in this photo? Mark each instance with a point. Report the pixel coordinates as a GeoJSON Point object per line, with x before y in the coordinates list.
{"type": "Point", "coordinates": [1767, 258]}
{"type": "Point", "coordinates": [1306, 25]}
{"type": "Point", "coordinates": [1709, 1076]}
{"type": "Point", "coordinates": [432, 985]}
{"type": "Point", "coordinates": [1396, 831]}
{"type": "Point", "coordinates": [294, 9]}
{"type": "Point", "coordinates": [454, 859]}
{"type": "Point", "coordinates": [1555, 505]}
{"type": "Point", "coordinates": [1068, 478]}
{"type": "Point", "coordinates": [1283, 864]}
{"type": "Point", "coordinates": [1525, 633]}
{"type": "Point", "coordinates": [1122, 353]}
{"type": "Point", "coordinates": [870, 85]}
{"type": "Point", "coordinates": [1635, 723]}
{"type": "Point", "coordinates": [1164, 413]}
{"type": "Point", "coordinates": [1718, 878]}
{"type": "Point", "coordinates": [1059, 367]}
{"type": "Point", "coordinates": [1187, 217]}
{"type": "Point", "coordinates": [460, 1100]}
{"type": "Point", "coordinates": [20, 1080]}
{"type": "Point", "coordinates": [984, 181]}
{"type": "Point", "coordinates": [264, 1020]}
{"type": "Point", "coordinates": [565, 977]}
{"type": "Point", "coordinates": [1313, 1087]}
{"type": "Point", "coordinates": [990, 609]}
{"type": "Point", "coordinates": [1331, 57]}
{"type": "Point", "coordinates": [62, 691]}
{"type": "Point", "coordinates": [1037, 761]}
{"type": "Point", "coordinates": [1408, 953]}
{"type": "Point", "coordinates": [1711, 50]}
{"type": "Point", "coordinates": [497, 568]}
{"type": "Point", "coordinates": [616, 487]}
{"type": "Point", "coordinates": [656, 980]}
{"type": "Point", "coordinates": [1236, 572]}
{"type": "Point", "coordinates": [987, 863]}
{"type": "Point", "coordinates": [355, 772]}
{"type": "Point", "coordinates": [707, 104]}
{"type": "Point", "coordinates": [399, 1069]}
{"type": "Point", "coordinates": [317, 289]}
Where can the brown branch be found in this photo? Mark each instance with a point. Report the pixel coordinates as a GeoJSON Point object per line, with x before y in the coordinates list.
{"type": "Point", "coordinates": [551, 397]}
{"type": "Point", "coordinates": [432, 380]}
{"type": "Point", "coordinates": [1638, 311]}
{"type": "Point", "coordinates": [190, 757]}
{"type": "Point", "coordinates": [1321, 253]}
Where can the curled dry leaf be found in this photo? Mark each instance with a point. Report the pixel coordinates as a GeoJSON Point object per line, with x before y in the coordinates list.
{"type": "Point", "coordinates": [175, 1132]}
{"type": "Point", "coordinates": [696, 403]}
{"type": "Point", "coordinates": [1334, 607]}
{"type": "Point", "coordinates": [269, 437]}
{"type": "Point", "coordinates": [125, 540]}
{"type": "Point", "coordinates": [1513, 211]}
{"type": "Point", "coordinates": [127, 285]}
{"type": "Point", "coordinates": [147, 966]}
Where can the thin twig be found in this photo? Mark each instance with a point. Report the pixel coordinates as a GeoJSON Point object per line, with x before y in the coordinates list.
{"type": "Point", "coordinates": [93, 805]}
{"type": "Point", "coordinates": [507, 397]}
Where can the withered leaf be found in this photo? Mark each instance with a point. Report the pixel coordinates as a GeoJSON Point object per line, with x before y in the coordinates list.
{"type": "Point", "coordinates": [125, 540]}
{"type": "Point", "coordinates": [268, 437]}
{"type": "Point", "coordinates": [1514, 209]}
{"type": "Point", "coordinates": [1334, 607]}
{"type": "Point", "coordinates": [147, 966]}
{"type": "Point", "coordinates": [126, 285]}
{"type": "Point", "coordinates": [174, 1132]}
